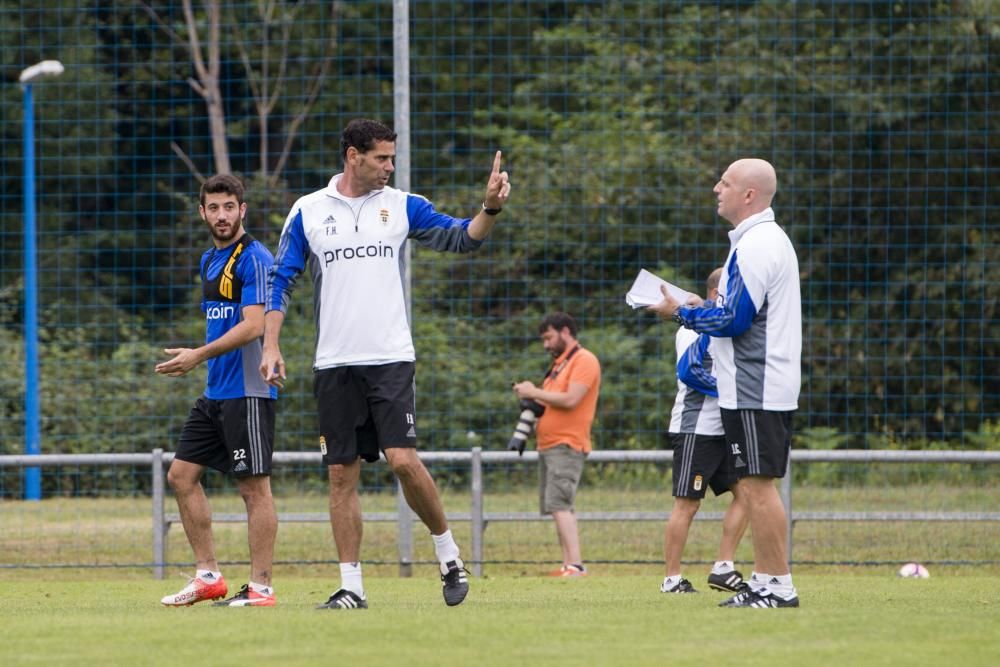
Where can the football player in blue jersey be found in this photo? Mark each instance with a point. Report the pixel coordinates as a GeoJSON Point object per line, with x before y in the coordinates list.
{"type": "Point", "coordinates": [231, 427]}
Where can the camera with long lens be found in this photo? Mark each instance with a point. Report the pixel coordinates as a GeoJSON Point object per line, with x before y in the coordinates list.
{"type": "Point", "coordinates": [530, 412]}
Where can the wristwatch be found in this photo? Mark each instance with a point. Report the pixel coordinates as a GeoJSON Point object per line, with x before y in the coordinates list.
{"type": "Point", "coordinates": [491, 211]}
{"type": "Point", "coordinates": [676, 317]}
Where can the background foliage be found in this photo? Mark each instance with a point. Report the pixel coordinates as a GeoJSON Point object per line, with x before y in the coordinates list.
{"type": "Point", "coordinates": [615, 119]}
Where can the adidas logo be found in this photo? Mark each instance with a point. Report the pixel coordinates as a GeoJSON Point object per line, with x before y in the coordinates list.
{"type": "Point", "coordinates": [774, 580]}
{"type": "Point", "coordinates": [331, 225]}
{"type": "Point", "coordinates": [412, 433]}
{"type": "Point", "coordinates": [241, 467]}
{"type": "Point", "coordinates": [740, 463]}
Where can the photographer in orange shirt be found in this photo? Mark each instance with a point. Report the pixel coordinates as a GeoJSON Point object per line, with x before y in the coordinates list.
{"type": "Point", "coordinates": [566, 403]}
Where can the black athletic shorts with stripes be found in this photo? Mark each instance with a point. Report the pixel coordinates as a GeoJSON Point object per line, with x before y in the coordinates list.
{"type": "Point", "coordinates": [363, 410]}
{"type": "Point", "coordinates": [700, 462]}
{"type": "Point", "coordinates": [759, 441]}
{"type": "Point", "coordinates": [233, 435]}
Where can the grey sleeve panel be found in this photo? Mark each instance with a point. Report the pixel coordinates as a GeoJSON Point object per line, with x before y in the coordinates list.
{"type": "Point", "coordinates": [446, 239]}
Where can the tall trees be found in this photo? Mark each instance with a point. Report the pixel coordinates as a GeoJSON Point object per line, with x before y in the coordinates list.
{"type": "Point", "coordinates": [615, 119]}
{"type": "Point", "coordinates": [622, 116]}
{"type": "Point", "coordinates": [261, 34]}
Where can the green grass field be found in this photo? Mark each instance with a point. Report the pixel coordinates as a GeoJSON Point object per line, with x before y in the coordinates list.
{"type": "Point", "coordinates": [104, 610]}
{"type": "Point", "coordinates": [845, 619]}
{"type": "Point", "coordinates": [851, 615]}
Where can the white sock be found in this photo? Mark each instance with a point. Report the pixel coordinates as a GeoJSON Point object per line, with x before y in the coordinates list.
{"type": "Point", "coordinates": [757, 581]}
{"type": "Point", "coordinates": [670, 582]}
{"type": "Point", "coordinates": [445, 547]}
{"type": "Point", "coordinates": [350, 578]}
{"type": "Point", "coordinates": [723, 567]}
{"type": "Point", "coordinates": [781, 585]}
{"type": "Point", "coordinates": [209, 575]}
{"type": "Point", "coordinates": [261, 588]}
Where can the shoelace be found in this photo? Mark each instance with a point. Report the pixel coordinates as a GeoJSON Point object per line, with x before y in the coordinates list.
{"type": "Point", "coordinates": [190, 578]}
{"type": "Point", "coordinates": [244, 593]}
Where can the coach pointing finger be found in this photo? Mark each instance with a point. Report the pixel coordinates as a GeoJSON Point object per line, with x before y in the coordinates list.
{"type": "Point", "coordinates": [352, 235]}
{"type": "Point", "coordinates": [497, 192]}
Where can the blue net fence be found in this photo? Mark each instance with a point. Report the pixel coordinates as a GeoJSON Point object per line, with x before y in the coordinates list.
{"type": "Point", "coordinates": [615, 120]}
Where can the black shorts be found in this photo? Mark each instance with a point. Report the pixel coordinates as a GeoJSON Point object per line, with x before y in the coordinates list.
{"type": "Point", "coordinates": [231, 435]}
{"type": "Point", "coordinates": [760, 441]}
{"type": "Point", "coordinates": [364, 409]}
{"type": "Point", "coordinates": [700, 462]}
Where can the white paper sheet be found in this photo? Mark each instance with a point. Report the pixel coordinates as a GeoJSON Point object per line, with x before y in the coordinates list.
{"type": "Point", "coordinates": [645, 291]}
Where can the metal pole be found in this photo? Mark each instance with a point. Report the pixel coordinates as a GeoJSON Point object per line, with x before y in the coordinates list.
{"type": "Point", "coordinates": [401, 121]}
{"type": "Point", "coordinates": [405, 523]}
{"type": "Point", "coordinates": [401, 124]}
{"type": "Point", "coordinates": [477, 511]}
{"type": "Point", "coordinates": [159, 531]}
{"type": "Point", "coordinates": [401, 89]}
{"type": "Point", "coordinates": [32, 430]}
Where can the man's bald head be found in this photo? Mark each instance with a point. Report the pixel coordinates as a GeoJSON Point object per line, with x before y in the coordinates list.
{"type": "Point", "coordinates": [747, 188]}
{"type": "Point", "coordinates": [759, 175]}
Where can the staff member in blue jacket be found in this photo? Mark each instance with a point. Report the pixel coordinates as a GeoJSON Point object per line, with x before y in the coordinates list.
{"type": "Point", "coordinates": [757, 326]}
{"type": "Point", "coordinates": [700, 461]}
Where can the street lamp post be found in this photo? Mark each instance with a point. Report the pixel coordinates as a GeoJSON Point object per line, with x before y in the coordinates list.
{"type": "Point", "coordinates": [32, 430]}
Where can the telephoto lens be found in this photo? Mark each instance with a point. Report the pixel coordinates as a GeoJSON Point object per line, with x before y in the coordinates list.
{"type": "Point", "coordinates": [530, 412]}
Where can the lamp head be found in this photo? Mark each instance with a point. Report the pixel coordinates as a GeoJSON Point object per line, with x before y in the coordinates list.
{"type": "Point", "coordinates": [44, 68]}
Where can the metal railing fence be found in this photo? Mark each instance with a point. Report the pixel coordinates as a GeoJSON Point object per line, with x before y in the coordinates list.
{"type": "Point", "coordinates": [477, 459]}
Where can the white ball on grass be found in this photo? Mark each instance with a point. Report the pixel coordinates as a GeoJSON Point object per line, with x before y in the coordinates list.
{"type": "Point", "coordinates": [914, 571]}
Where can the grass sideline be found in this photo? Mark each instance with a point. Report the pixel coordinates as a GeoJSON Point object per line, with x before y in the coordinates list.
{"type": "Point", "coordinates": [108, 532]}
{"type": "Point", "coordinates": [601, 620]}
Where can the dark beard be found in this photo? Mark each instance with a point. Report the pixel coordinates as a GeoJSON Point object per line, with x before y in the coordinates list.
{"type": "Point", "coordinates": [225, 237]}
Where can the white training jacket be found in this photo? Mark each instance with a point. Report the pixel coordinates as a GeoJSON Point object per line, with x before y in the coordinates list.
{"type": "Point", "coordinates": [696, 405]}
{"type": "Point", "coordinates": [757, 320]}
{"type": "Point", "coordinates": [355, 256]}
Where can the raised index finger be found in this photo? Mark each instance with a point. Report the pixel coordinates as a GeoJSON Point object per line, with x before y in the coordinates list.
{"type": "Point", "coordinates": [496, 163]}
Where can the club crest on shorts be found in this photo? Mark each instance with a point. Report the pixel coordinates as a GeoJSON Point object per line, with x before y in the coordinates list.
{"type": "Point", "coordinates": [383, 214]}
{"type": "Point", "coordinates": [322, 445]}
{"type": "Point", "coordinates": [697, 483]}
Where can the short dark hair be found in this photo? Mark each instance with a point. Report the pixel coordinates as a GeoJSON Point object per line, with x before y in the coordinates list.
{"type": "Point", "coordinates": [222, 183]}
{"type": "Point", "coordinates": [363, 133]}
{"type": "Point", "coordinates": [558, 321]}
